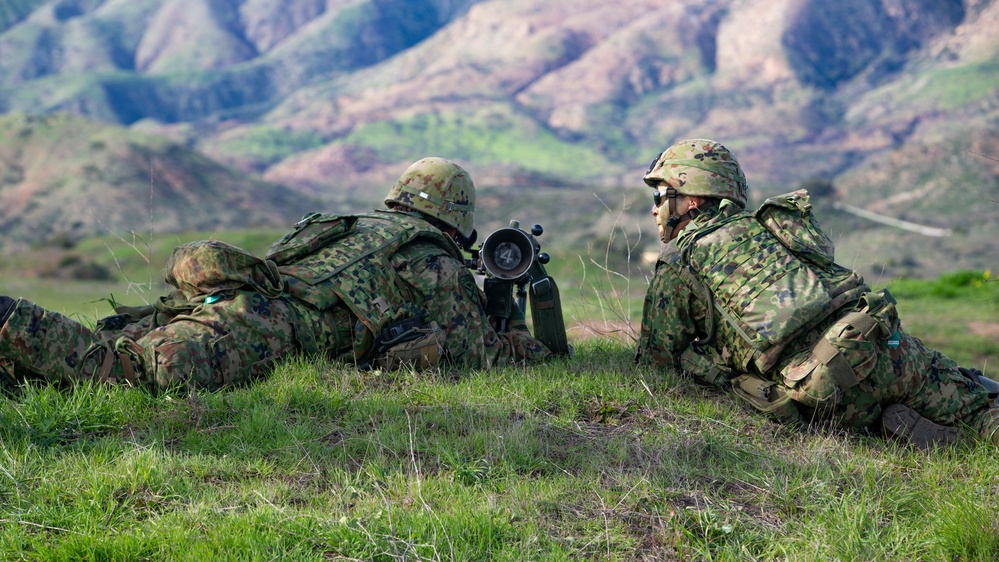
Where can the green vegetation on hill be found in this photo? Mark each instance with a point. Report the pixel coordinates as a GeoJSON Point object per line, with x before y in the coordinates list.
{"type": "Point", "coordinates": [66, 177]}
{"type": "Point", "coordinates": [492, 132]}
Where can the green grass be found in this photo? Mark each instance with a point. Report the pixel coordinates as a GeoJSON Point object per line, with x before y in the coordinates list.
{"type": "Point", "coordinates": [957, 313]}
{"type": "Point", "coordinates": [590, 458]}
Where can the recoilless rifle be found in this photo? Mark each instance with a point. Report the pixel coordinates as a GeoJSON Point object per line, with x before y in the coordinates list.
{"type": "Point", "coordinates": [514, 266]}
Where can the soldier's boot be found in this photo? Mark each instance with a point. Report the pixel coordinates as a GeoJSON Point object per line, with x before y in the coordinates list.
{"type": "Point", "coordinates": [991, 386]}
{"type": "Point", "coordinates": [6, 309]}
{"type": "Point", "coordinates": [901, 421]}
{"type": "Point", "coordinates": [7, 381]}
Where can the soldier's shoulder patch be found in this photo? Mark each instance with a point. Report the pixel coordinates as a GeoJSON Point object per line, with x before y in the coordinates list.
{"type": "Point", "coordinates": [468, 287]}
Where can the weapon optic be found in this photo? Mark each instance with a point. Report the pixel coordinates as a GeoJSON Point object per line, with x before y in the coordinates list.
{"type": "Point", "coordinates": [513, 264]}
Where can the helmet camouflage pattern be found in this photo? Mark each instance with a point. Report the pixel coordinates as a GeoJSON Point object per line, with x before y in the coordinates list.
{"type": "Point", "coordinates": [700, 167]}
{"type": "Point", "coordinates": [438, 188]}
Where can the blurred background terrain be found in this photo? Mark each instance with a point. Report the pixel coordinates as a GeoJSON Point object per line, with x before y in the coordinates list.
{"type": "Point", "coordinates": [146, 119]}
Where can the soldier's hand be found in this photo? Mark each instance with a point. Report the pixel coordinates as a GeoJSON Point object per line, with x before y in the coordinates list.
{"type": "Point", "coordinates": [518, 321]}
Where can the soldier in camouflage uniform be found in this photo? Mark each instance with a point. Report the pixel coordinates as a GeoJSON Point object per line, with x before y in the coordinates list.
{"type": "Point", "coordinates": [377, 289]}
{"type": "Point", "coordinates": [754, 303]}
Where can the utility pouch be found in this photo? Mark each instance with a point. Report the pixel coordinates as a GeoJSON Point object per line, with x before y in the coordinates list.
{"type": "Point", "coordinates": [880, 305]}
{"type": "Point", "coordinates": [768, 397]}
{"type": "Point", "coordinates": [546, 315]}
{"type": "Point", "coordinates": [703, 370]}
{"type": "Point", "coordinates": [416, 348]}
{"type": "Point", "coordinates": [845, 354]}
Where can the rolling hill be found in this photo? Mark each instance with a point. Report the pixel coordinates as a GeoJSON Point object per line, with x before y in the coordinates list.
{"type": "Point", "coordinates": [65, 178]}
{"type": "Point", "coordinates": [896, 103]}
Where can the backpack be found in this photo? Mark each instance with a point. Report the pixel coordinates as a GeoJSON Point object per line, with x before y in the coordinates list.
{"type": "Point", "coordinates": [789, 217]}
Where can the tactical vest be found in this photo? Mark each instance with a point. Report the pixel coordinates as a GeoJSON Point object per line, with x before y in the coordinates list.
{"type": "Point", "coordinates": [329, 259]}
{"type": "Point", "coordinates": [755, 283]}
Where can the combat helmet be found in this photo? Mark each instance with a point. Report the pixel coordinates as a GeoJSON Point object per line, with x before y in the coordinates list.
{"type": "Point", "coordinates": [700, 167]}
{"type": "Point", "coordinates": [438, 188]}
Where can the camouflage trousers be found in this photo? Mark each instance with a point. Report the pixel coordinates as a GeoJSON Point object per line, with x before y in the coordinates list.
{"type": "Point", "coordinates": [923, 379]}
{"type": "Point", "coordinates": [228, 342]}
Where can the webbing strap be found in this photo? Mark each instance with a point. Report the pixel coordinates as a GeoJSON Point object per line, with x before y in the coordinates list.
{"type": "Point", "coordinates": [863, 322]}
{"type": "Point", "coordinates": [104, 373]}
{"type": "Point", "coordinates": [127, 370]}
{"type": "Point", "coordinates": [836, 363]}
{"type": "Point", "coordinates": [128, 373]}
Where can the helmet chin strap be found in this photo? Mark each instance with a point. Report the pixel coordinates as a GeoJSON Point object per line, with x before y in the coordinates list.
{"type": "Point", "coordinates": [671, 230]}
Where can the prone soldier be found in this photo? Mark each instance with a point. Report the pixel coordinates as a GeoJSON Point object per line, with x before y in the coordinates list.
{"type": "Point", "coordinates": [752, 302]}
{"type": "Point", "coordinates": [378, 289]}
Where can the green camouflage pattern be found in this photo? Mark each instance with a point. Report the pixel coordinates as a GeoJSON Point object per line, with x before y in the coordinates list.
{"type": "Point", "coordinates": [203, 338]}
{"type": "Point", "coordinates": [764, 291]}
{"type": "Point", "coordinates": [358, 268]}
{"type": "Point", "coordinates": [700, 167]}
{"type": "Point", "coordinates": [438, 188]}
{"type": "Point", "coordinates": [208, 267]}
{"type": "Point", "coordinates": [679, 312]}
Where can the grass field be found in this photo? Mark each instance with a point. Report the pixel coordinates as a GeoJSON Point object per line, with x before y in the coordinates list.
{"type": "Point", "coordinates": [587, 458]}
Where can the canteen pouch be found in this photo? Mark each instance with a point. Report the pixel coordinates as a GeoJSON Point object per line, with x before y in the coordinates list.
{"type": "Point", "coordinates": [421, 348]}
{"type": "Point", "coordinates": [768, 397]}
{"type": "Point", "coordinates": [845, 354]}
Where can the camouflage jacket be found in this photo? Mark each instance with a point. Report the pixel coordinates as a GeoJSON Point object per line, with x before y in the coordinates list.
{"type": "Point", "coordinates": [728, 288]}
{"type": "Point", "coordinates": [390, 266]}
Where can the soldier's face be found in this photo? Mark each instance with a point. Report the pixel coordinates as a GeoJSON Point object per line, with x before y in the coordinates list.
{"type": "Point", "coordinates": [661, 211]}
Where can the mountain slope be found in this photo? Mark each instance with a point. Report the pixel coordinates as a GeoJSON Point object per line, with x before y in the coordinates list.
{"type": "Point", "coordinates": [889, 101]}
{"type": "Point", "coordinates": [65, 177]}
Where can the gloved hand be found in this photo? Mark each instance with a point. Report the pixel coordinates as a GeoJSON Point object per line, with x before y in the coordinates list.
{"type": "Point", "coordinates": [518, 321]}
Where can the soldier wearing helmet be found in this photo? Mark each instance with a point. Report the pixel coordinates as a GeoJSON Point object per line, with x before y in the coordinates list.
{"type": "Point", "coordinates": [753, 302]}
{"type": "Point", "coordinates": [441, 190]}
{"type": "Point", "coordinates": [382, 289]}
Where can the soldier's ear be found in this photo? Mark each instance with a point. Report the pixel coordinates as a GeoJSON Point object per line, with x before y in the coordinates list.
{"type": "Point", "coordinates": [694, 202]}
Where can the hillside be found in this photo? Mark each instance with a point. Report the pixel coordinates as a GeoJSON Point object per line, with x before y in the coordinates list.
{"type": "Point", "coordinates": [63, 178]}
{"type": "Point", "coordinates": [334, 98]}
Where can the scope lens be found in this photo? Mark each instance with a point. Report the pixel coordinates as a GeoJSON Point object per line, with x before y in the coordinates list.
{"type": "Point", "coordinates": [507, 256]}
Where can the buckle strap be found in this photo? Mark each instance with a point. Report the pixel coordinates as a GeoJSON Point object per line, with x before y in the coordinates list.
{"type": "Point", "coordinates": [104, 372]}
{"type": "Point", "coordinates": [836, 363]}
{"type": "Point", "coordinates": [127, 368]}
{"type": "Point", "coordinates": [865, 323]}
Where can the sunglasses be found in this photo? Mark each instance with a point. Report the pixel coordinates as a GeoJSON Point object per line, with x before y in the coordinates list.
{"type": "Point", "coordinates": [657, 196]}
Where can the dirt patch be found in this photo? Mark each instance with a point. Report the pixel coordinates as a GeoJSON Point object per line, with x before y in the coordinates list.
{"type": "Point", "coordinates": [985, 329]}
{"type": "Point", "coordinates": [615, 330]}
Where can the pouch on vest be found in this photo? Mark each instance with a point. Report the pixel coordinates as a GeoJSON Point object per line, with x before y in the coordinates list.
{"type": "Point", "coordinates": [768, 397]}
{"type": "Point", "coordinates": [421, 351]}
{"type": "Point", "coordinates": [313, 232]}
{"type": "Point", "coordinates": [789, 217]}
{"type": "Point", "coordinates": [845, 354]}
{"type": "Point", "coordinates": [210, 267]}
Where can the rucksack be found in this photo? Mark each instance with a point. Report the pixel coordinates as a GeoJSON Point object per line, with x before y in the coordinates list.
{"type": "Point", "coordinates": [789, 217]}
